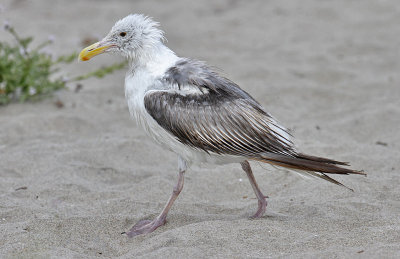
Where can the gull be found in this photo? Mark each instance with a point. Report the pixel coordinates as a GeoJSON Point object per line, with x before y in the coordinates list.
{"type": "Point", "coordinates": [190, 109]}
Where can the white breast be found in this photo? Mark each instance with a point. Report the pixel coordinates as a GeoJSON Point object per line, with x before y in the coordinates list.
{"type": "Point", "coordinates": [142, 76]}
{"type": "Point", "coordinates": [137, 84]}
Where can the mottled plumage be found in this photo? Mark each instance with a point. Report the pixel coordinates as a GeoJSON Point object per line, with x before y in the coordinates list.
{"type": "Point", "coordinates": [190, 109]}
{"type": "Point", "coordinates": [209, 112]}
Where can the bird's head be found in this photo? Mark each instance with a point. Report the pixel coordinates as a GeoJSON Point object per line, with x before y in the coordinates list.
{"type": "Point", "coordinates": [130, 37]}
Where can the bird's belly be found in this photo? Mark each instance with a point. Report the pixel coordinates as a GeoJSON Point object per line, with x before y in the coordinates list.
{"type": "Point", "coordinates": [169, 142]}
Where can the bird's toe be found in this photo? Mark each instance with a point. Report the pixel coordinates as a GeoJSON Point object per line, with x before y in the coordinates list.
{"type": "Point", "coordinates": [144, 227]}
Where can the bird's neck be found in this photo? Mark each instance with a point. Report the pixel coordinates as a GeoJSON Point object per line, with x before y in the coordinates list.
{"type": "Point", "coordinates": [144, 70]}
{"type": "Point", "coordinates": [153, 58]}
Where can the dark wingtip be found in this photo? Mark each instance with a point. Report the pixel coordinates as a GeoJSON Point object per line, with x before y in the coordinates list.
{"type": "Point", "coordinates": [321, 159]}
{"type": "Point", "coordinates": [360, 172]}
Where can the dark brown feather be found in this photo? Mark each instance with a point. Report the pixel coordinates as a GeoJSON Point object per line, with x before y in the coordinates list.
{"type": "Point", "coordinates": [307, 163]}
{"type": "Point", "coordinates": [314, 166]}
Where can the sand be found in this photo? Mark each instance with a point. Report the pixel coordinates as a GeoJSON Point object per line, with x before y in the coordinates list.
{"type": "Point", "coordinates": [72, 179]}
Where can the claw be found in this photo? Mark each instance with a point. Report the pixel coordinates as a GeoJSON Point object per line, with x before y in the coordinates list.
{"type": "Point", "coordinates": [145, 226]}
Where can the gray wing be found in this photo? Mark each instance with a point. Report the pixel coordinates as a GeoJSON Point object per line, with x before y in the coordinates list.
{"type": "Point", "coordinates": [208, 112]}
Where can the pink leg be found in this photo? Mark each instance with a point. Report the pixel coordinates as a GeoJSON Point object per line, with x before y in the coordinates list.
{"type": "Point", "coordinates": [262, 201]}
{"type": "Point", "coordinates": [148, 226]}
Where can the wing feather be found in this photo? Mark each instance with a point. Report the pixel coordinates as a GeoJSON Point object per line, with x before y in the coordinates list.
{"type": "Point", "coordinates": [209, 112]}
{"type": "Point", "coordinates": [222, 126]}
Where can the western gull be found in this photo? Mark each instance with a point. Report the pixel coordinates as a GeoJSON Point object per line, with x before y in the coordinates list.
{"type": "Point", "coordinates": [188, 108]}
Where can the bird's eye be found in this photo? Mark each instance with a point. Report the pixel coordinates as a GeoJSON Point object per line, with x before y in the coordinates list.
{"type": "Point", "coordinates": [122, 34]}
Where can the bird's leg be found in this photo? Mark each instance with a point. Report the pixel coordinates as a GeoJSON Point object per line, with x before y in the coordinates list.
{"type": "Point", "coordinates": [148, 226]}
{"type": "Point", "coordinates": [262, 201]}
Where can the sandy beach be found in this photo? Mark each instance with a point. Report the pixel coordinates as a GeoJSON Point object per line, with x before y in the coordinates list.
{"type": "Point", "coordinates": [74, 178]}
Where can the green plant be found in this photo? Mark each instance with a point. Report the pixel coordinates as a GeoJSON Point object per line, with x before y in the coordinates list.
{"type": "Point", "coordinates": [29, 74]}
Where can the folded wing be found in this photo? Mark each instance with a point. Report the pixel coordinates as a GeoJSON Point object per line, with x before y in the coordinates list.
{"type": "Point", "coordinates": [209, 112]}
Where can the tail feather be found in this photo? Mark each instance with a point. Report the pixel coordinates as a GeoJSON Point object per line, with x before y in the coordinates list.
{"type": "Point", "coordinates": [312, 165]}
{"type": "Point", "coordinates": [329, 179]}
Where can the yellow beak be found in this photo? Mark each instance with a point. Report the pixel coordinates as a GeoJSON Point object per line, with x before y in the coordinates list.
{"type": "Point", "coordinates": [92, 50]}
